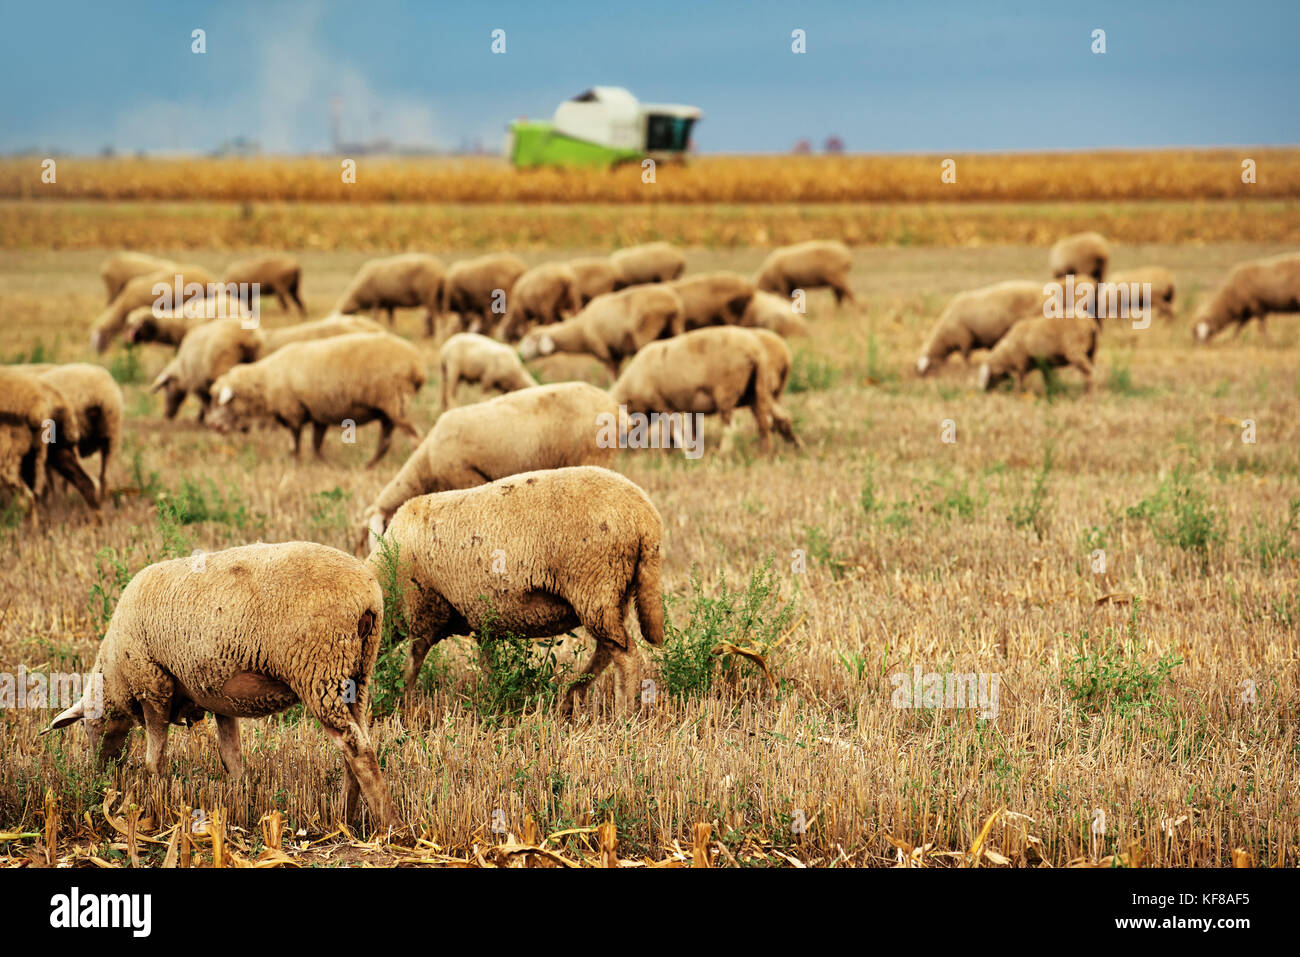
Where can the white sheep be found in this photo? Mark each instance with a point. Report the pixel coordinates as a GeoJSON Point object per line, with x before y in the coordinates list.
{"type": "Point", "coordinates": [41, 432]}
{"type": "Point", "coordinates": [978, 318]}
{"type": "Point", "coordinates": [206, 353]}
{"type": "Point", "coordinates": [281, 275]}
{"type": "Point", "coordinates": [405, 281]}
{"type": "Point", "coordinates": [1068, 335]}
{"type": "Point", "coordinates": [543, 427]}
{"type": "Point", "coordinates": [186, 283]}
{"type": "Point", "coordinates": [474, 288]}
{"type": "Point", "coordinates": [544, 294]}
{"type": "Point", "coordinates": [775, 313]}
{"type": "Point", "coordinates": [811, 265]}
{"type": "Point", "coordinates": [325, 328]}
{"type": "Point", "coordinates": [596, 276]}
{"type": "Point", "coordinates": [95, 398]}
{"type": "Point", "coordinates": [712, 371]}
{"type": "Point", "coordinates": [534, 555]}
{"type": "Point", "coordinates": [1251, 291]}
{"type": "Point", "coordinates": [612, 327]}
{"type": "Point", "coordinates": [713, 299]}
{"type": "Point", "coordinates": [1083, 254]}
{"type": "Point", "coordinates": [120, 268]}
{"type": "Point", "coordinates": [357, 378]}
{"type": "Point", "coordinates": [469, 357]}
{"type": "Point", "coordinates": [242, 633]}
{"type": "Point", "coordinates": [651, 262]}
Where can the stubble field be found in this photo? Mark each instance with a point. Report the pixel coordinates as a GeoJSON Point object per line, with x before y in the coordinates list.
{"type": "Point", "coordinates": [1146, 714]}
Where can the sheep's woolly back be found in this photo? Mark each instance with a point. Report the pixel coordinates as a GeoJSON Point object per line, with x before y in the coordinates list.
{"type": "Point", "coordinates": [470, 357]}
{"type": "Point", "coordinates": [708, 370]}
{"type": "Point", "coordinates": [612, 326]}
{"type": "Point", "coordinates": [139, 292]}
{"type": "Point", "coordinates": [94, 398]}
{"type": "Point", "coordinates": [817, 262]}
{"type": "Point", "coordinates": [326, 328]}
{"type": "Point", "coordinates": [596, 276]}
{"type": "Point", "coordinates": [651, 262]}
{"type": "Point", "coordinates": [289, 612]}
{"type": "Point", "coordinates": [329, 380]}
{"type": "Point", "coordinates": [718, 298]}
{"type": "Point", "coordinates": [544, 427]}
{"type": "Point", "coordinates": [576, 533]}
{"type": "Point", "coordinates": [471, 283]}
{"type": "Point", "coordinates": [407, 280]}
{"type": "Point", "coordinates": [978, 318]}
{"type": "Point", "coordinates": [120, 268]}
{"type": "Point", "coordinates": [273, 272]}
{"type": "Point", "coordinates": [1252, 289]}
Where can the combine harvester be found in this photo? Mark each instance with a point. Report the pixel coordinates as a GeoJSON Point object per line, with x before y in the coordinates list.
{"type": "Point", "coordinates": [603, 127]}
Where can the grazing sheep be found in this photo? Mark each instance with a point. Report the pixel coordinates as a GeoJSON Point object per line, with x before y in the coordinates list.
{"type": "Point", "coordinates": [1126, 287]}
{"type": "Point", "coordinates": [469, 357]}
{"type": "Point", "coordinates": [978, 318]}
{"type": "Point", "coordinates": [651, 262]}
{"type": "Point", "coordinates": [277, 274]}
{"type": "Point", "coordinates": [196, 283]}
{"type": "Point", "coordinates": [169, 326]}
{"type": "Point", "coordinates": [775, 313]}
{"type": "Point", "coordinates": [120, 268]}
{"type": "Point", "coordinates": [243, 633]}
{"type": "Point", "coordinates": [30, 405]}
{"type": "Point", "coordinates": [713, 299]}
{"type": "Point", "coordinates": [325, 328]}
{"type": "Point", "coordinates": [408, 280]}
{"type": "Point", "coordinates": [361, 378]}
{"type": "Point", "coordinates": [474, 286]}
{"type": "Point", "coordinates": [535, 555]}
{"type": "Point", "coordinates": [1068, 336]}
{"type": "Point", "coordinates": [1083, 254]}
{"type": "Point", "coordinates": [95, 399]}
{"type": "Point", "coordinates": [809, 265]}
{"type": "Point", "coordinates": [544, 294]}
{"type": "Point", "coordinates": [596, 276]}
{"type": "Point", "coordinates": [712, 371]}
{"type": "Point", "coordinates": [206, 353]}
{"type": "Point", "coordinates": [1251, 291]}
{"type": "Point", "coordinates": [612, 327]}
{"type": "Point", "coordinates": [543, 427]}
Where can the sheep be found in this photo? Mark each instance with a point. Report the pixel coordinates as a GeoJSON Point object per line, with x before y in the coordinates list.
{"type": "Point", "coordinates": [156, 290]}
{"type": "Point", "coordinates": [357, 378]}
{"type": "Point", "coordinates": [469, 357]}
{"type": "Point", "coordinates": [1251, 291]}
{"type": "Point", "coordinates": [95, 399]}
{"type": "Point", "coordinates": [596, 276]}
{"type": "Point", "coordinates": [1068, 333]}
{"type": "Point", "coordinates": [544, 294]}
{"type": "Point", "coordinates": [776, 313]}
{"type": "Point", "coordinates": [712, 371]}
{"type": "Point", "coordinates": [281, 275]}
{"type": "Point", "coordinates": [207, 352]}
{"type": "Point", "coordinates": [535, 555]}
{"type": "Point", "coordinates": [713, 299]}
{"type": "Point", "coordinates": [809, 265]}
{"type": "Point", "coordinates": [243, 632]}
{"type": "Point", "coordinates": [1083, 254]}
{"type": "Point", "coordinates": [169, 326]}
{"type": "Point", "coordinates": [978, 318]}
{"type": "Point", "coordinates": [543, 427]}
{"type": "Point", "coordinates": [613, 326]}
{"type": "Point", "coordinates": [473, 288]}
{"type": "Point", "coordinates": [30, 405]}
{"type": "Point", "coordinates": [652, 262]}
{"type": "Point", "coordinates": [120, 268]}
{"type": "Point", "coordinates": [1125, 289]}
{"type": "Point", "coordinates": [325, 328]}
{"type": "Point", "coordinates": [407, 280]}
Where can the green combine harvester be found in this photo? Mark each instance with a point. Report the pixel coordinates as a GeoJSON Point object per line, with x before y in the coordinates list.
{"type": "Point", "coordinates": [601, 128]}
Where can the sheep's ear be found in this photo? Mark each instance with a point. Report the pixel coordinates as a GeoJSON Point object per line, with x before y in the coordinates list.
{"type": "Point", "coordinates": [227, 393]}
{"type": "Point", "coordinates": [163, 378]}
{"type": "Point", "coordinates": [70, 716]}
{"type": "Point", "coordinates": [546, 345]}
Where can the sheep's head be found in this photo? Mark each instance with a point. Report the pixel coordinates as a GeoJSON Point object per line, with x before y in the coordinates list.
{"type": "Point", "coordinates": [106, 727]}
{"type": "Point", "coordinates": [536, 343]}
{"type": "Point", "coordinates": [373, 524]}
{"type": "Point", "coordinates": [142, 329]}
{"type": "Point", "coordinates": [234, 406]}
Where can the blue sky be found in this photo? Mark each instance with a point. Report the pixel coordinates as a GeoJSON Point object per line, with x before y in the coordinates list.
{"type": "Point", "coordinates": [884, 76]}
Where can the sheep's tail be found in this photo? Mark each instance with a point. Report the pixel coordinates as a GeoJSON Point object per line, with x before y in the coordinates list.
{"type": "Point", "coordinates": [649, 595]}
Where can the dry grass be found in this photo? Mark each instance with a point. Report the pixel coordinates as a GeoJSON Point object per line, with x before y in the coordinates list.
{"type": "Point", "coordinates": [935, 573]}
{"type": "Point", "coordinates": [1193, 174]}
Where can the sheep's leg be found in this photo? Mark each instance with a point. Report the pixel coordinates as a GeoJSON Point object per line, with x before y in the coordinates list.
{"type": "Point", "coordinates": [297, 299]}
{"type": "Point", "coordinates": [361, 767]}
{"type": "Point", "coordinates": [318, 439]}
{"type": "Point", "coordinates": [104, 453]}
{"type": "Point", "coordinates": [66, 464]}
{"type": "Point", "coordinates": [175, 397]}
{"type": "Point", "coordinates": [155, 728]}
{"type": "Point", "coordinates": [296, 432]}
{"type": "Point", "coordinates": [280, 297]}
{"type": "Point", "coordinates": [843, 293]}
{"type": "Point", "coordinates": [392, 318]}
{"type": "Point", "coordinates": [406, 426]}
{"type": "Point", "coordinates": [426, 626]}
{"type": "Point", "coordinates": [385, 439]}
{"type": "Point", "coordinates": [228, 744]}
{"type": "Point", "coordinates": [1263, 331]}
{"type": "Point", "coordinates": [600, 660]}
{"type": "Point", "coordinates": [785, 425]}
{"type": "Point", "coordinates": [448, 388]}
{"type": "Point", "coordinates": [1081, 363]}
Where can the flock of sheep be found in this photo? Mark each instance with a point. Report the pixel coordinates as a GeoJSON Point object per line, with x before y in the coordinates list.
{"type": "Point", "coordinates": [534, 535]}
